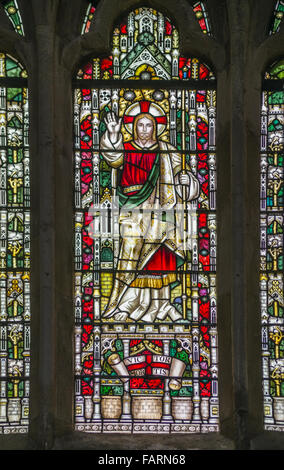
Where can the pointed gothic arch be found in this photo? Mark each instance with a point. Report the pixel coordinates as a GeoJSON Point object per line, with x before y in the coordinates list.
{"type": "Point", "coordinates": [240, 52]}
{"type": "Point", "coordinates": [145, 74]}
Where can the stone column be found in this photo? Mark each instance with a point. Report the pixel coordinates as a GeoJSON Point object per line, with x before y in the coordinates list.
{"type": "Point", "coordinates": [238, 20]}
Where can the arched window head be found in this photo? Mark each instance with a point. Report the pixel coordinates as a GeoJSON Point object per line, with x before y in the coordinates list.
{"type": "Point", "coordinates": [271, 245]}
{"type": "Point", "coordinates": [199, 9]}
{"type": "Point", "coordinates": [14, 247]}
{"type": "Point", "coordinates": [145, 235]}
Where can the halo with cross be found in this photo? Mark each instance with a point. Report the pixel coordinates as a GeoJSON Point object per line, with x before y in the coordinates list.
{"type": "Point", "coordinates": [141, 107]}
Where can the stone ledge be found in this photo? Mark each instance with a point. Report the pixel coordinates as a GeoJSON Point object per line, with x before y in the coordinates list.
{"type": "Point", "coordinates": [80, 441]}
{"type": "Point", "coordinates": [268, 441]}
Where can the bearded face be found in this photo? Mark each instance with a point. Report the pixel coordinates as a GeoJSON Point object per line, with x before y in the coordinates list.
{"type": "Point", "coordinates": [145, 128]}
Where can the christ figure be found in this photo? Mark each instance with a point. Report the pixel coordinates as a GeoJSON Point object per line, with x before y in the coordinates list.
{"type": "Point", "coordinates": [150, 181]}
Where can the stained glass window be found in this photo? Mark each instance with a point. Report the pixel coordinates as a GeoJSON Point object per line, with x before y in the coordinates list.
{"type": "Point", "coordinates": [202, 17]}
{"type": "Point", "coordinates": [145, 235]}
{"type": "Point", "coordinates": [14, 247]}
{"type": "Point", "coordinates": [89, 17]}
{"type": "Point", "coordinates": [277, 17]}
{"type": "Point", "coordinates": [13, 12]}
{"type": "Point", "coordinates": [198, 8]}
{"type": "Point", "coordinates": [271, 246]}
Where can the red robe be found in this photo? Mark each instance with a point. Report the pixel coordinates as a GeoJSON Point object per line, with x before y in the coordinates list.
{"type": "Point", "coordinates": [136, 168]}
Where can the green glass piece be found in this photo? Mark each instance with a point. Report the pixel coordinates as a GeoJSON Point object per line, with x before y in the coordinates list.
{"type": "Point", "coordinates": [106, 390]}
{"type": "Point", "coordinates": [277, 70]}
{"type": "Point", "coordinates": [277, 17]}
{"type": "Point", "coordinates": [276, 97]}
{"type": "Point", "coordinates": [185, 392]}
{"type": "Point", "coordinates": [13, 69]}
{"type": "Point", "coordinates": [13, 13]}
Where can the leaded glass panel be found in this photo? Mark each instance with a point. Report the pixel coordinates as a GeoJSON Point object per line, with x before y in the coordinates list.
{"type": "Point", "coordinates": [145, 236]}
{"type": "Point", "coordinates": [14, 247]}
{"type": "Point", "coordinates": [199, 9]}
{"type": "Point", "coordinates": [277, 17]}
{"type": "Point", "coordinates": [271, 246]}
{"type": "Point", "coordinates": [14, 15]}
{"type": "Point", "coordinates": [201, 14]}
